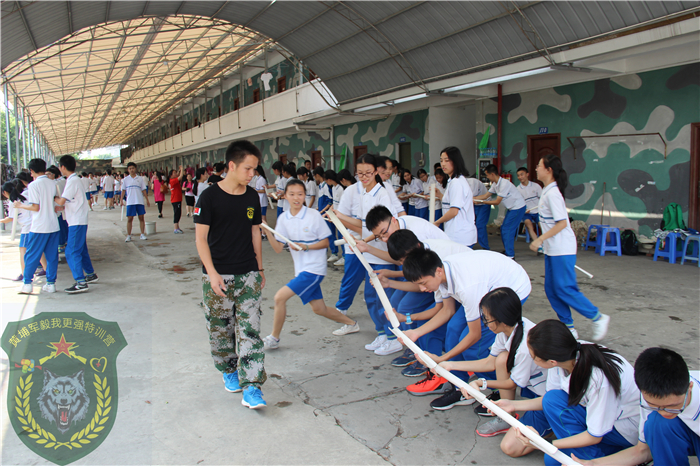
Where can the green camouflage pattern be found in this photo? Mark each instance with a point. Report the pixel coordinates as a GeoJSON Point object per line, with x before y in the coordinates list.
{"type": "Point", "coordinates": [233, 324]}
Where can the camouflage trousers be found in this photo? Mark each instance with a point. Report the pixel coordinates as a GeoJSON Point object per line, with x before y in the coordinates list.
{"type": "Point", "coordinates": [233, 323]}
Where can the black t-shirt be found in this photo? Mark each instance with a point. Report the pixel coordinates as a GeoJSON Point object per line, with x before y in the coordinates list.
{"type": "Point", "coordinates": [214, 179]}
{"type": "Point", "coordinates": [230, 218]}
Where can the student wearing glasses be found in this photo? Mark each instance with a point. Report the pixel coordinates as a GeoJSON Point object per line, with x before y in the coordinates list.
{"type": "Point", "coordinates": [669, 422]}
{"type": "Point", "coordinates": [591, 401]}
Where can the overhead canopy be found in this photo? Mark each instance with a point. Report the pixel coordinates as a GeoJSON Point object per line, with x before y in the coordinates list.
{"type": "Point", "coordinates": [359, 49]}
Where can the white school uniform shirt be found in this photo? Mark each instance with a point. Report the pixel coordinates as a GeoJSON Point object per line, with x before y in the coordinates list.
{"type": "Point", "coordinates": [690, 415]}
{"type": "Point", "coordinates": [444, 248]}
{"type": "Point", "coordinates": [395, 181]}
{"type": "Point", "coordinates": [337, 192]}
{"type": "Point", "coordinates": [60, 185]}
{"type": "Point", "coordinates": [305, 228]}
{"type": "Point", "coordinates": [471, 275]}
{"type": "Point", "coordinates": [394, 198]}
{"type": "Point", "coordinates": [92, 186]}
{"type": "Point", "coordinates": [525, 373]}
{"type": "Point", "coordinates": [253, 181]}
{"type": "Point", "coordinates": [461, 228]}
{"type": "Point", "coordinates": [351, 205]}
{"type": "Point", "coordinates": [285, 203]}
{"type": "Point", "coordinates": [134, 188]}
{"type": "Point", "coordinates": [604, 409]}
{"type": "Point", "coordinates": [311, 190]}
{"type": "Point", "coordinates": [41, 192]}
{"type": "Point", "coordinates": [280, 183]}
{"type": "Point", "coordinates": [512, 199]}
{"type": "Point", "coordinates": [76, 205]}
{"type": "Point", "coordinates": [417, 188]}
{"type": "Point", "coordinates": [86, 184]}
{"type": "Point", "coordinates": [376, 196]}
{"type": "Point", "coordinates": [202, 186]}
{"type": "Point", "coordinates": [117, 184]}
{"type": "Point", "coordinates": [477, 187]}
{"type": "Point", "coordinates": [423, 229]}
{"type": "Point", "coordinates": [108, 183]}
{"type": "Point", "coordinates": [259, 184]}
{"type": "Point", "coordinates": [552, 209]}
{"type": "Point", "coordinates": [531, 193]}
{"type": "Point", "coordinates": [21, 216]}
{"type": "Point", "coordinates": [145, 180]}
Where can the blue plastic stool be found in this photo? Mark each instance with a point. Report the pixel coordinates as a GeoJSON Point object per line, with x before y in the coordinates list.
{"type": "Point", "coordinates": [593, 243]}
{"type": "Point", "coordinates": [695, 250]}
{"type": "Point", "coordinates": [614, 245]}
{"type": "Point", "coordinates": [526, 235]}
{"type": "Point", "coordinates": [669, 249]}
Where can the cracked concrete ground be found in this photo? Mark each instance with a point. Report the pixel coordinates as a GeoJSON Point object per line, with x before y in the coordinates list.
{"type": "Point", "coordinates": [329, 400]}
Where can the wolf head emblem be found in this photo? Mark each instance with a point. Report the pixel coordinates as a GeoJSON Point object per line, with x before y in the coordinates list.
{"type": "Point", "coordinates": [63, 399]}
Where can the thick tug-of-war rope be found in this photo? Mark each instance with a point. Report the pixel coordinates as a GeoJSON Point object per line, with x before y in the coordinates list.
{"type": "Point", "coordinates": [534, 438]}
{"type": "Point", "coordinates": [289, 242]}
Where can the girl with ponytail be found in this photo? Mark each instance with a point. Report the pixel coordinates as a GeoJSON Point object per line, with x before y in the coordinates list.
{"type": "Point", "coordinates": [559, 243]}
{"type": "Point", "coordinates": [457, 202]}
{"type": "Point", "coordinates": [16, 190]}
{"type": "Point", "coordinates": [373, 193]}
{"type": "Point", "coordinates": [591, 402]}
{"type": "Point", "coordinates": [501, 311]}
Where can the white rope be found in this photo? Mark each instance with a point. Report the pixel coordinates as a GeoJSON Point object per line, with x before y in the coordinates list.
{"type": "Point", "coordinates": [583, 271]}
{"type": "Point", "coordinates": [534, 438]}
{"type": "Point", "coordinates": [431, 215]}
{"type": "Point", "coordinates": [288, 241]}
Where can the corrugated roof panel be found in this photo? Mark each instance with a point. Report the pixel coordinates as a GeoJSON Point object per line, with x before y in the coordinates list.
{"type": "Point", "coordinates": [121, 11]}
{"type": "Point", "coordinates": [162, 8]}
{"type": "Point", "coordinates": [359, 51]}
{"type": "Point", "coordinates": [43, 22]}
{"type": "Point", "coordinates": [277, 18]}
{"type": "Point", "coordinates": [87, 14]}
{"type": "Point", "coordinates": [376, 11]}
{"type": "Point", "coordinates": [200, 8]}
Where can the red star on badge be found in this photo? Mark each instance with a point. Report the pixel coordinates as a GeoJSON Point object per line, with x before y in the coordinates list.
{"type": "Point", "coordinates": [62, 346]}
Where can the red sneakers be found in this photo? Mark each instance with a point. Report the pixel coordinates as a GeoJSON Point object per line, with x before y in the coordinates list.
{"type": "Point", "coordinates": [430, 385]}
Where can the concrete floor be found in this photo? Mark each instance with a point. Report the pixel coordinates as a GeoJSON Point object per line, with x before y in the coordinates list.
{"type": "Point", "coordinates": [329, 400]}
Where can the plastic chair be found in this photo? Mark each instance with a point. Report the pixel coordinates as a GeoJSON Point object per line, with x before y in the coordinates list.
{"type": "Point", "coordinates": [695, 249]}
{"type": "Point", "coordinates": [593, 243]}
{"type": "Point", "coordinates": [667, 247]}
{"type": "Point", "coordinates": [526, 232]}
{"type": "Point", "coordinates": [605, 245]}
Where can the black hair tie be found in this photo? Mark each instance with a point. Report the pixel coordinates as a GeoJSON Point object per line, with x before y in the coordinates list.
{"type": "Point", "coordinates": [578, 346]}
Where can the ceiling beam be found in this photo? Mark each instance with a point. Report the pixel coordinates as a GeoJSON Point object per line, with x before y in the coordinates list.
{"type": "Point", "coordinates": [26, 26]}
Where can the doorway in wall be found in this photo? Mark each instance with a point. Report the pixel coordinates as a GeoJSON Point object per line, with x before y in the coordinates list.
{"type": "Point", "coordinates": [405, 158]}
{"type": "Point", "coordinates": [539, 145]}
{"type": "Point", "coordinates": [694, 191]}
{"type": "Point", "coordinates": [315, 158]}
{"type": "Point", "coordinates": [357, 152]}
{"type": "Point", "coordinates": [283, 158]}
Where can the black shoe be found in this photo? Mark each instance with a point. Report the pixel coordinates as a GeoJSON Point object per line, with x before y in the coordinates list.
{"type": "Point", "coordinates": [405, 359]}
{"type": "Point", "coordinates": [91, 278]}
{"type": "Point", "coordinates": [482, 410]}
{"type": "Point", "coordinates": [77, 288]}
{"type": "Point", "coordinates": [451, 399]}
{"type": "Point", "coordinates": [160, 215]}
{"type": "Point", "coordinates": [414, 370]}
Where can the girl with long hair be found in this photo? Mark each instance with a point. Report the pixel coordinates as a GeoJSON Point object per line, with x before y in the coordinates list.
{"type": "Point", "coordinates": [457, 202]}
{"type": "Point", "coordinates": [187, 187]}
{"type": "Point", "coordinates": [502, 311]}
{"type": "Point", "coordinates": [559, 243]}
{"type": "Point", "coordinates": [261, 188]}
{"type": "Point", "coordinates": [591, 401]}
{"type": "Point", "coordinates": [160, 189]}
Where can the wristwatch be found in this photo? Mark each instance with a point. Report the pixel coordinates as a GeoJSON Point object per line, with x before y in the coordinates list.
{"type": "Point", "coordinates": [483, 384]}
{"type": "Point", "coordinates": [408, 319]}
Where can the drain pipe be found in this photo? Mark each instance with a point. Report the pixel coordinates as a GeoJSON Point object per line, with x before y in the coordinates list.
{"type": "Point", "coordinates": [332, 147]}
{"type": "Point", "coordinates": [500, 125]}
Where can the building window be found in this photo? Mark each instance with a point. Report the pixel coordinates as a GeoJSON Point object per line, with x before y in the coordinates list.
{"type": "Point", "coordinates": [281, 84]}
{"type": "Point", "coordinates": [236, 105]}
{"type": "Point", "coordinates": [256, 95]}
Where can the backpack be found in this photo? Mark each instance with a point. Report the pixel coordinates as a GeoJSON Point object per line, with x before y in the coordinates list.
{"type": "Point", "coordinates": [673, 218]}
{"type": "Point", "coordinates": [628, 243]}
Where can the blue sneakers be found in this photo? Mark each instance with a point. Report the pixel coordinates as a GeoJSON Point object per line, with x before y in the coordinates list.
{"type": "Point", "coordinates": [252, 398]}
{"type": "Point", "coordinates": [231, 382]}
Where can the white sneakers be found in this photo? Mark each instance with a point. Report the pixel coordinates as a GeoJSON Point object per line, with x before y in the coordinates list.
{"type": "Point", "coordinates": [49, 288]}
{"type": "Point", "coordinates": [128, 239]}
{"type": "Point", "coordinates": [389, 347]}
{"type": "Point", "coordinates": [340, 262]}
{"type": "Point", "coordinates": [378, 342]}
{"type": "Point", "coordinates": [347, 329]}
{"type": "Point", "coordinates": [143, 236]}
{"type": "Point", "coordinates": [271, 342]}
{"type": "Point", "coordinates": [573, 332]}
{"type": "Point", "coordinates": [600, 327]}
{"type": "Point", "coordinates": [27, 288]}
{"type": "Point", "coordinates": [333, 258]}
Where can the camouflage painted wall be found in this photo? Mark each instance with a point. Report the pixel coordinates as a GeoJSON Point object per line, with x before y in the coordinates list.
{"type": "Point", "coordinates": [381, 136]}
{"type": "Point", "coordinates": [296, 146]}
{"type": "Point", "coordinates": [93, 165]}
{"type": "Point", "coordinates": [640, 183]}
